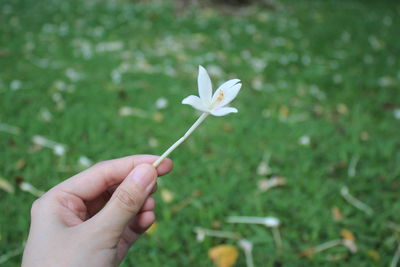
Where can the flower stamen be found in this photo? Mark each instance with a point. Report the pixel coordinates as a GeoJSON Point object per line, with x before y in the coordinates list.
{"type": "Point", "coordinates": [218, 100]}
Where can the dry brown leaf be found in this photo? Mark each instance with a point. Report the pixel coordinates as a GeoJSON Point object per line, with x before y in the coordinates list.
{"type": "Point", "coordinates": [336, 214]}
{"type": "Point", "coordinates": [347, 235]}
{"type": "Point", "coordinates": [152, 229]}
{"type": "Point", "coordinates": [223, 255]}
{"type": "Point", "coordinates": [306, 252]}
{"type": "Point", "coordinates": [6, 186]}
{"type": "Point", "coordinates": [166, 195]}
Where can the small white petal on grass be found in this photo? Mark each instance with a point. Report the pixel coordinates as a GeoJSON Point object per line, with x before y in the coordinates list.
{"type": "Point", "coordinates": [263, 168]}
{"type": "Point", "coordinates": [396, 113]}
{"type": "Point", "coordinates": [304, 140]}
{"type": "Point", "coordinates": [9, 129]}
{"type": "Point", "coordinates": [45, 115]}
{"type": "Point", "coordinates": [84, 161]}
{"type": "Point", "coordinates": [6, 186]}
{"type": "Point", "coordinates": [267, 184]}
{"type": "Point", "coordinates": [27, 187]}
{"type": "Point", "coordinates": [344, 191]}
{"type": "Point", "coordinates": [15, 85]}
{"type": "Point", "coordinates": [73, 75]}
{"type": "Point", "coordinates": [153, 142]}
{"type": "Point", "coordinates": [130, 111]}
{"type": "Point", "coordinates": [161, 103]}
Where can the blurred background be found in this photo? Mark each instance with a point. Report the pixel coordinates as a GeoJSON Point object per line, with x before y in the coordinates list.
{"type": "Point", "coordinates": [315, 144]}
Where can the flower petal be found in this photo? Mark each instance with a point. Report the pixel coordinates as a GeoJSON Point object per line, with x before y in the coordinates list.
{"type": "Point", "coordinates": [224, 87]}
{"type": "Point", "coordinates": [230, 94]}
{"type": "Point", "coordinates": [205, 86]}
{"type": "Point", "coordinates": [195, 102]}
{"type": "Point", "coordinates": [223, 111]}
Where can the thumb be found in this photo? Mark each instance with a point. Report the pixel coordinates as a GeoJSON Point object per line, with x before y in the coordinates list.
{"type": "Point", "coordinates": [127, 199]}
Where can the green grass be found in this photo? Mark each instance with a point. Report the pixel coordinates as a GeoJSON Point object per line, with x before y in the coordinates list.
{"type": "Point", "coordinates": [322, 69]}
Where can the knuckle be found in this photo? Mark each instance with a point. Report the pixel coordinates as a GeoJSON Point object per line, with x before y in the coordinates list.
{"type": "Point", "coordinates": [128, 200]}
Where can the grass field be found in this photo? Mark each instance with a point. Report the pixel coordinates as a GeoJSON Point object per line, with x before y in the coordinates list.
{"type": "Point", "coordinates": [320, 96]}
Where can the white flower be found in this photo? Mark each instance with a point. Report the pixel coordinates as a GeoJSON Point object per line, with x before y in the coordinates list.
{"type": "Point", "coordinates": [214, 104]}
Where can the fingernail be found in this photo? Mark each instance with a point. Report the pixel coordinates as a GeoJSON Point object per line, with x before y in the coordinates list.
{"type": "Point", "coordinates": [145, 175]}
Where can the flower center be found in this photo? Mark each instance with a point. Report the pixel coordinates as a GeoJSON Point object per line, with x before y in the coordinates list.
{"type": "Point", "coordinates": [220, 97]}
{"type": "Point", "coordinates": [217, 100]}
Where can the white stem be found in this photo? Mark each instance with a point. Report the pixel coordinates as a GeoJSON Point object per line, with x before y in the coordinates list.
{"type": "Point", "coordinates": [344, 191]}
{"type": "Point", "coordinates": [277, 238]}
{"type": "Point", "coordinates": [215, 233]}
{"type": "Point", "coordinates": [327, 245]}
{"type": "Point", "coordinates": [180, 141]}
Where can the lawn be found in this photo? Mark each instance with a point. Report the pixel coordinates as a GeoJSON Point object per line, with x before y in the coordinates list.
{"type": "Point", "coordinates": [320, 105]}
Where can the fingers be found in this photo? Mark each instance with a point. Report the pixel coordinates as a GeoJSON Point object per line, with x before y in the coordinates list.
{"type": "Point", "coordinates": [92, 182]}
{"type": "Point", "coordinates": [148, 205]}
{"type": "Point", "coordinates": [127, 199]}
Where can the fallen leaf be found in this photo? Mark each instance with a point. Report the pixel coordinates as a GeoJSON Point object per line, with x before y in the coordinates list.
{"type": "Point", "coordinates": [336, 214]}
{"type": "Point", "coordinates": [223, 255]}
{"type": "Point", "coordinates": [152, 228]}
{"type": "Point", "coordinates": [347, 235]}
{"type": "Point", "coordinates": [166, 195]}
{"type": "Point", "coordinates": [6, 186]}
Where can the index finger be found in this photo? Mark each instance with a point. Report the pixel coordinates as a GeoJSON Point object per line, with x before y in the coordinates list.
{"type": "Point", "coordinates": [90, 183]}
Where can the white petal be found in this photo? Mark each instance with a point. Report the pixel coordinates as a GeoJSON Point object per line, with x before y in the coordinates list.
{"type": "Point", "coordinates": [195, 102]}
{"type": "Point", "coordinates": [204, 85]}
{"type": "Point", "coordinates": [230, 94]}
{"type": "Point", "coordinates": [223, 111]}
{"type": "Point", "coordinates": [225, 86]}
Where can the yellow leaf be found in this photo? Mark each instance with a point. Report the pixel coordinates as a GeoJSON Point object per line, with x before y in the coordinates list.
{"type": "Point", "coordinates": [152, 229]}
{"type": "Point", "coordinates": [6, 186]}
{"type": "Point", "coordinates": [347, 235]}
{"type": "Point", "coordinates": [223, 255]}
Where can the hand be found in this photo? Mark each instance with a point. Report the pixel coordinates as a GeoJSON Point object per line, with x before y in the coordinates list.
{"type": "Point", "coordinates": [92, 218]}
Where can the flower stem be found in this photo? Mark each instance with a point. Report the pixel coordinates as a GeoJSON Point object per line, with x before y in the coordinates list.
{"type": "Point", "coordinates": [180, 140]}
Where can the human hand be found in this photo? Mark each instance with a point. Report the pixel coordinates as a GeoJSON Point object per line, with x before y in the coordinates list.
{"type": "Point", "coordinates": [92, 218]}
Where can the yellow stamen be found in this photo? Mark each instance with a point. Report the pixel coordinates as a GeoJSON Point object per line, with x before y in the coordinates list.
{"type": "Point", "coordinates": [220, 97]}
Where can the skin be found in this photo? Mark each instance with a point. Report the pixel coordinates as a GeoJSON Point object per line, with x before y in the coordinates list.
{"type": "Point", "coordinates": [93, 218]}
